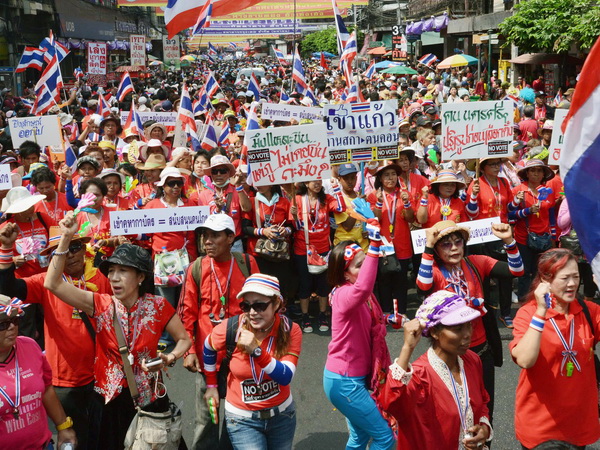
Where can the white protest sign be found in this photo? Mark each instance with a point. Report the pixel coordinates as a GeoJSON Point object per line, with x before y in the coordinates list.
{"type": "Point", "coordinates": [477, 129]}
{"type": "Point", "coordinates": [45, 130]}
{"type": "Point", "coordinates": [97, 58]}
{"type": "Point", "coordinates": [137, 50]}
{"type": "Point", "coordinates": [480, 230]}
{"type": "Point", "coordinates": [288, 154]}
{"type": "Point", "coordinates": [362, 131]}
{"type": "Point", "coordinates": [5, 179]}
{"type": "Point", "coordinates": [558, 137]}
{"type": "Point", "coordinates": [274, 111]}
{"type": "Point", "coordinates": [166, 118]}
{"type": "Point", "coordinates": [171, 50]}
{"type": "Point", "coordinates": [157, 220]}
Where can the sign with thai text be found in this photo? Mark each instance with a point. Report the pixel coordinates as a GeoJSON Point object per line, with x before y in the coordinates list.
{"type": "Point", "coordinates": [5, 177]}
{"type": "Point", "coordinates": [44, 130]}
{"type": "Point", "coordinates": [157, 220]}
{"type": "Point", "coordinates": [288, 154]}
{"type": "Point", "coordinates": [286, 113]}
{"type": "Point", "coordinates": [97, 58]}
{"type": "Point", "coordinates": [137, 50]}
{"type": "Point", "coordinates": [171, 50]}
{"type": "Point", "coordinates": [166, 118]}
{"type": "Point", "coordinates": [558, 137]}
{"type": "Point", "coordinates": [477, 129]}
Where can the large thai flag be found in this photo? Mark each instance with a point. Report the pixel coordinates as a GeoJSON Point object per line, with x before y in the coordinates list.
{"type": "Point", "coordinates": [70, 157]}
{"type": "Point", "coordinates": [211, 86]}
{"type": "Point", "coordinates": [370, 71]}
{"type": "Point", "coordinates": [310, 94]}
{"type": "Point", "coordinates": [53, 47]}
{"type": "Point", "coordinates": [342, 31]}
{"type": "Point", "coordinates": [203, 18]}
{"type": "Point", "coordinates": [32, 58]}
{"type": "Point", "coordinates": [209, 141]}
{"type": "Point", "coordinates": [279, 55]}
{"type": "Point", "coordinates": [125, 87]}
{"type": "Point", "coordinates": [298, 73]}
{"type": "Point", "coordinates": [254, 87]}
{"type": "Point", "coordinates": [52, 79]}
{"type": "Point", "coordinates": [580, 158]}
{"type": "Point", "coordinates": [428, 59]}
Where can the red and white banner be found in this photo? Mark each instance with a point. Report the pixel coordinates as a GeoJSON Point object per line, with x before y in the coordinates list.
{"type": "Point", "coordinates": [97, 58]}
{"type": "Point", "coordinates": [137, 50]}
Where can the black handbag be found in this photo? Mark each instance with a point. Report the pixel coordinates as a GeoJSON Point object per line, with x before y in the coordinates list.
{"type": "Point", "coordinates": [538, 242]}
{"type": "Point", "coordinates": [570, 241]}
{"type": "Point", "coordinates": [270, 249]}
{"type": "Point", "coordinates": [223, 373]}
{"type": "Point", "coordinates": [388, 264]}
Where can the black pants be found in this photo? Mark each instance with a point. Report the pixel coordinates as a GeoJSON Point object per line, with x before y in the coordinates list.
{"type": "Point", "coordinates": [84, 406]}
{"type": "Point", "coordinates": [489, 373]}
{"type": "Point", "coordinates": [394, 286]}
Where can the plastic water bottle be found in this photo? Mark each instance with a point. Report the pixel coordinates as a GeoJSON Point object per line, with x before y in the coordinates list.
{"type": "Point", "coordinates": [67, 446]}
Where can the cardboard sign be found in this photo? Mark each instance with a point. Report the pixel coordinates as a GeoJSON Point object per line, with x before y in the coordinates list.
{"type": "Point", "coordinates": [286, 113]}
{"type": "Point", "coordinates": [97, 58]}
{"type": "Point", "coordinates": [137, 50]}
{"type": "Point", "coordinates": [362, 131]}
{"type": "Point", "coordinates": [477, 129]}
{"type": "Point", "coordinates": [5, 179]}
{"type": "Point", "coordinates": [480, 231]}
{"type": "Point", "coordinates": [558, 137]}
{"type": "Point", "coordinates": [157, 220]}
{"type": "Point", "coordinates": [171, 50]}
{"type": "Point", "coordinates": [166, 118]}
{"type": "Point", "coordinates": [45, 130]}
{"type": "Point", "coordinates": [288, 154]}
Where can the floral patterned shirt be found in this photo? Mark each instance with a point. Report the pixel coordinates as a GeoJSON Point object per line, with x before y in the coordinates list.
{"type": "Point", "coordinates": [142, 327]}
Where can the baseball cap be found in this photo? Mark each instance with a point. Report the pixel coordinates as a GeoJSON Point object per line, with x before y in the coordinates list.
{"type": "Point", "coordinates": [219, 222]}
{"type": "Point", "coordinates": [346, 169]}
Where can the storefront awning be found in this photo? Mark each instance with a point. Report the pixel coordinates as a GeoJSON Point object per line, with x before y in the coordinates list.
{"type": "Point", "coordinates": [544, 58]}
{"type": "Point", "coordinates": [377, 51]}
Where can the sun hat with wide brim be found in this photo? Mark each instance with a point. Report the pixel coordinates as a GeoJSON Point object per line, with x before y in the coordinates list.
{"type": "Point", "coordinates": [446, 227]}
{"type": "Point", "coordinates": [153, 143]}
{"type": "Point", "coordinates": [54, 235]}
{"type": "Point", "coordinates": [445, 308]}
{"type": "Point", "coordinates": [169, 172]}
{"type": "Point", "coordinates": [148, 130]}
{"type": "Point", "coordinates": [19, 199]}
{"type": "Point", "coordinates": [531, 163]}
{"type": "Point", "coordinates": [482, 161]}
{"type": "Point", "coordinates": [385, 167]}
{"type": "Point", "coordinates": [108, 172]}
{"type": "Point", "coordinates": [448, 176]}
{"type": "Point", "coordinates": [262, 284]}
{"type": "Point", "coordinates": [131, 256]}
{"type": "Point", "coordinates": [219, 161]}
{"type": "Point", "coordinates": [112, 119]}
{"type": "Point", "coordinates": [153, 162]}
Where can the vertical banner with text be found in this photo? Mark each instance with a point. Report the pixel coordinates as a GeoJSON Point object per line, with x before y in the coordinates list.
{"type": "Point", "coordinates": [97, 58]}
{"type": "Point", "coordinates": [137, 50]}
{"type": "Point", "coordinates": [558, 137]}
{"type": "Point", "coordinates": [399, 44]}
{"type": "Point", "coordinates": [171, 51]}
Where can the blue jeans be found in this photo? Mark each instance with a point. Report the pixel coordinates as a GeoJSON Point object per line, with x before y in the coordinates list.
{"type": "Point", "coordinates": [276, 433]}
{"type": "Point", "coordinates": [351, 397]}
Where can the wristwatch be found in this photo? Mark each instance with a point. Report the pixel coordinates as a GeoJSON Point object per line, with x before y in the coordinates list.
{"type": "Point", "coordinates": [68, 423]}
{"type": "Point", "coordinates": [257, 352]}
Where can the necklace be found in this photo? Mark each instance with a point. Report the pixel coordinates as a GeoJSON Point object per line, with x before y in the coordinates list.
{"type": "Point", "coordinates": [222, 291]}
{"type": "Point", "coordinates": [17, 402]}
{"type": "Point", "coordinates": [391, 212]}
{"type": "Point", "coordinates": [445, 209]}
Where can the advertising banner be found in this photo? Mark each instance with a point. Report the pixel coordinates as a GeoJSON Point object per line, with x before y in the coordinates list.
{"type": "Point", "coordinates": [97, 58]}
{"type": "Point", "coordinates": [137, 50]}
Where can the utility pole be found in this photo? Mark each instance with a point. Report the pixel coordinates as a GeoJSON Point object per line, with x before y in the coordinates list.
{"type": "Point", "coordinates": [489, 77]}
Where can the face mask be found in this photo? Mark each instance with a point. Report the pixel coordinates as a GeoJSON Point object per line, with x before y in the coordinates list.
{"type": "Point", "coordinates": [221, 186]}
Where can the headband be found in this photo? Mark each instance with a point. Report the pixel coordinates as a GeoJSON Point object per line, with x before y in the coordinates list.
{"type": "Point", "coordinates": [16, 304]}
{"type": "Point", "coordinates": [350, 252]}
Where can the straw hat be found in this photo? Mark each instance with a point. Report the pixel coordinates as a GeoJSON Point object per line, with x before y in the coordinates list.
{"type": "Point", "coordinates": [148, 130]}
{"type": "Point", "coordinates": [446, 227]}
{"type": "Point", "coordinates": [108, 172]}
{"type": "Point", "coordinates": [548, 172]}
{"type": "Point", "coordinates": [19, 199]}
{"type": "Point", "coordinates": [448, 176]}
{"type": "Point", "coordinates": [153, 162]}
{"type": "Point", "coordinates": [54, 235]}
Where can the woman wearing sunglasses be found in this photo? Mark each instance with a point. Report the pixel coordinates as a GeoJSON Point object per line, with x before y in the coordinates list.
{"type": "Point", "coordinates": [445, 266]}
{"type": "Point", "coordinates": [27, 397]}
{"type": "Point", "coordinates": [259, 409]}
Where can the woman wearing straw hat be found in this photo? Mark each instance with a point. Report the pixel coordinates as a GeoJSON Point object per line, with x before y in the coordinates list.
{"type": "Point", "coordinates": [153, 147]}
{"type": "Point", "coordinates": [441, 201]}
{"type": "Point", "coordinates": [142, 318]}
{"type": "Point", "coordinates": [440, 400]}
{"type": "Point", "coordinates": [27, 397]}
{"type": "Point", "coordinates": [535, 215]}
{"type": "Point", "coordinates": [146, 191]}
{"type": "Point", "coordinates": [259, 409]}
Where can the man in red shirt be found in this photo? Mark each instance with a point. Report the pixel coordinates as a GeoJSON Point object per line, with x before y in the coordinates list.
{"type": "Point", "coordinates": [211, 285]}
{"type": "Point", "coordinates": [528, 126]}
{"type": "Point", "coordinates": [70, 347]}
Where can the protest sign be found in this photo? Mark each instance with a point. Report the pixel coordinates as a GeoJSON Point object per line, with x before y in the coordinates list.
{"type": "Point", "coordinates": [5, 178]}
{"type": "Point", "coordinates": [288, 154]}
{"type": "Point", "coordinates": [558, 137]}
{"type": "Point", "coordinates": [480, 231]}
{"type": "Point", "coordinates": [477, 129]}
{"type": "Point", "coordinates": [137, 50]}
{"type": "Point", "coordinates": [362, 131]}
{"type": "Point", "coordinates": [44, 130]}
{"type": "Point", "coordinates": [97, 58]}
{"type": "Point", "coordinates": [158, 220]}
{"type": "Point", "coordinates": [171, 50]}
{"type": "Point", "coordinates": [274, 111]}
{"type": "Point", "coordinates": [166, 118]}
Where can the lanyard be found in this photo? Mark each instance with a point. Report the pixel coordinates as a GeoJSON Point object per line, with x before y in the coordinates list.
{"type": "Point", "coordinates": [22, 233]}
{"type": "Point", "coordinates": [568, 353]}
{"type": "Point", "coordinates": [258, 379]}
{"type": "Point", "coordinates": [462, 412]}
{"type": "Point", "coordinates": [497, 195]}
{"type": "Point", "coordinates": [219, 287]}
{"type": "Point", "coordinates": [313, 223]}
{"type": "Point", "coordinates": [391, 212]}
{"type": "Point", "coordinates": [97, 227]}
{"type": "Point", "coordinates": [55, 207]}
{"type": "Point", "coordinates": [271, 216]}
{"type": "Point", "coordinates": [14, 405]}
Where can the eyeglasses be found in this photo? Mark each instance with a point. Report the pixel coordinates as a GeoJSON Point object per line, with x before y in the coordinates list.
{"type": "Point", "coordinates": [174, 183]}
{"type": "Point", "coordinates": [493, 164]}
{"type": "Point", "coordinates": [223, 171]}
{"type": "Point", "coordinates": [6, 324]}
{"type": "Point", "coordinates": [75, 247]}
{"type": "Point", "coordinates": [448, 244]}
{"type": "Point", "coordinates": [256, 306]}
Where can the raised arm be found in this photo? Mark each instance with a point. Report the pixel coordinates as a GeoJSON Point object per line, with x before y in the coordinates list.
{"type": "Point", "coordinates": [55, 282]}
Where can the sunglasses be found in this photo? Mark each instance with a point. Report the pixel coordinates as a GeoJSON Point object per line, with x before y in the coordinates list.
{"type": "Point", "coordinates": [6, 324]}
{"type": "Point", "coordinates": [174, 183]}
{"type": "Point", "coordinates": [75, 247]}
{"type": "Point", "coordinates": [256, 306]}
{"type": "Point", "coordinates": [223, 171]}
{"type": "Point", "coordinates": [447, 245]}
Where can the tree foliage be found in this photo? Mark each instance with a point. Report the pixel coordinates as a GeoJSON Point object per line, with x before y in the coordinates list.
{"type": "Point", "coordinates": [324, 41]}
{"type": "Point", "coordinates": [552, 26]}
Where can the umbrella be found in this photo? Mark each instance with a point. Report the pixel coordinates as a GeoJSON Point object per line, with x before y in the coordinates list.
{"type": "Point", "coordinates": [377, 51]}
{"type": "Point", "coordinates": [400, 70]}
{"type": "Point", "coordinates": [155, 63]}
{"type": "Point", "coordinates": [188, 58]}
{"type": "Point", "coordinates": [386, 64]}
{"type": "Point", "coordinates": [457, 61]}
{"type": "Point", "coordinates": [327, 55]}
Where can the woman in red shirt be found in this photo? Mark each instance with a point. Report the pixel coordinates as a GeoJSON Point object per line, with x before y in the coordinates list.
{"type": "Point", "coordinates": [114, 183]}
{"type": "Point", "coordinates": [55, 205]}
{"type": "Point", "coordinates": [441, 201]}
{"type": "Point", "coordinates": [146, 191]}
{"type": "Point", "coordinates": [311, 213]}
{"type": "Point", "coordinates": [142, 318]}
{"type": "Point", "coordinates": [554, 341]}
{"type": "Point", "coordinates": [393, 208]}
{"type": "Point", "coordinates": [409, 181]}
{"type": "Point", "coordinates": [535, 214]}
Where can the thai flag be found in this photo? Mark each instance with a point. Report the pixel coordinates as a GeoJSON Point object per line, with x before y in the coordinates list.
{"type": "Point", "coordinates": [360, 107]}
{"type": "Point", "coordinates": [52, 47]}
{"type": "Point", "coordinates": [32, 58]}
{"type": "Point", "coordinates": [310, 94]}
{"type": "Point", "coordinates": [362, 155]}
{"type": "Point", "coordinates": [27, 103]}
{"type": "Point", "coordinates": [211, 86]}
{"type": "Point", "coordinates": [134, 122]}
{"type": "Point", "coordinates": [284, 97]}
{"type": "Point", "coordinates": [342, 31]}
{"type": "Point", "coordinates": [52, 79]}
{"type": "Point", "coordinates": [254, 87]}
{"type": "Point", "coordinates": [298, 73]}
{"type": "Point", "coordinates": [185, 113]}
{"type": "Point", "coordinates": [279, 55]}
{"type": "Point", "coordinates": [212, 50]}
{"type": "Point", "coordinates": [370, 71]}
{"type": "Point", "coordinates": [580, 158]}
{"type": "Point", "coordinates": [347, 57]}
{"type": "Point", "coordinates": [352, 96]}
{"type": "Point", "coordinates": [209, 141]}
{"type": "Point", "coordinates": [103, 108]}
{"type": "Point", "coordinates": [78, 73]}
{"type": "Point", "coordinates": [233, 45]}
{"type": "Point", "coordinates": [428, 59]}
{"type": "Point", "coordinates": [203, 18]}
{"type": "Point", "coordinates": [252, 124]}
{"type": "Point", "coordinates": [224, 136]}
{"type": "Point", "coordinates": [44, 100]}
{"type": "Point", "coordinates": [125, 87]}
{"type": "Point", "coordinates": [558, 97]}
{"type": "Point", "coordinates": [70, 157]}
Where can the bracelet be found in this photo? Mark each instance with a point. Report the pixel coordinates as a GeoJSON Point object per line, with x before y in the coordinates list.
{"type": "Point", "coordinates": [6, 256]}
{"type": "Point", "coordinates": [407, 205]}
{"type": "Point", "coordinates": [259, 231]}
{"type": "Point", "coordinates": [511, 245]}
{"type": "Point", "coordinates": [473, 197]}
{"type": "Point", "coordinates": [424, 202]}
{"type": "Point", "coordinates": [55, 253]}
{"type": "Point", "coordinates": [537, 323]}
{"type": "Point", "coordinates": [378, 205]}
{"type": "Point", "coordinates": [68, 423]}
{"type": "Point", "coordinates": [174, 360]}
{"type": "Point", "coordinates": [212, 386]}
{"type": "Point", "coordinates": [239, 188]}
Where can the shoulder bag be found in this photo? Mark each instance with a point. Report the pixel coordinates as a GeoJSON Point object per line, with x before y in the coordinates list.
{"type": "Point", "coordinates": [270, 249]}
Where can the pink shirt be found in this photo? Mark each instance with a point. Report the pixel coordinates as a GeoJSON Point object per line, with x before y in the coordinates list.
{"type": "Point", "coordinates": [30, 430]}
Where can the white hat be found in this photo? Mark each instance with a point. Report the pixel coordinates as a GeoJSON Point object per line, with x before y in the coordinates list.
{"type": "Point", "coordinates": [169, 172]}
{"type": "Point", "coordinates": [19, 199]}
{"type": "Point", "coordinates": [65, 119]}
{"type": "Point", "coordinates": [108, 172]}
{"type": "Point", "coordinates": [262, 284]}
{"type": "Point", "coordinates": [219, 222]}
{"type": "Point", "coordinates": [178, 151]}
{"type": "Point", "coordinates": [220, 160]}
{"type": "Point", "coordinates": [142, 100]}
{"type": "Point", "coordinates": [153, 143]}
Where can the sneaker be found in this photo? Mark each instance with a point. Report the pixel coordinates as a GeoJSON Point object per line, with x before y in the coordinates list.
{"type": "Point", "coordinates": [323, 322]}
{"type": "Point", "coordinates": [514, 298]}
{"type": "Point", "coordinates": [306, 325]}
{"type": "Point", "coordinates": [507, 321]}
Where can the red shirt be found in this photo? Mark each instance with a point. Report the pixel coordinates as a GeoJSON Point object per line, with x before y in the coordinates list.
{"type": "Point", "coordinates": [36, 230]}
{"type": "Point", "coordinates": [527, 127]}
{"type": "Point", "coordinates": [492, 201]}
{"type": "Point", "coordinates": [269, 215]}
{"type": "Point", "coordinates": [416, 183]}
{"type": "Point", "coordinates": [434, 214]}
{"type": "Point", "coordinates": [142, 191]}
{"type": "Point", "coordinates": [318, 223]}
{"type": "Point", "coordinates": [142, 327]}
{"type": "Point", "coordinates": [549, 405]}
{"type": "Point", "coordinates": [390, 215]}
{"type": "Point", "coordinates": [53, 211]}
{"type": "Point", "coordinates": [538, 223]}
{"type": "Point", "coordinates": [207, 198]}
{"type": "Point", "coordinates": [194, 313]}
